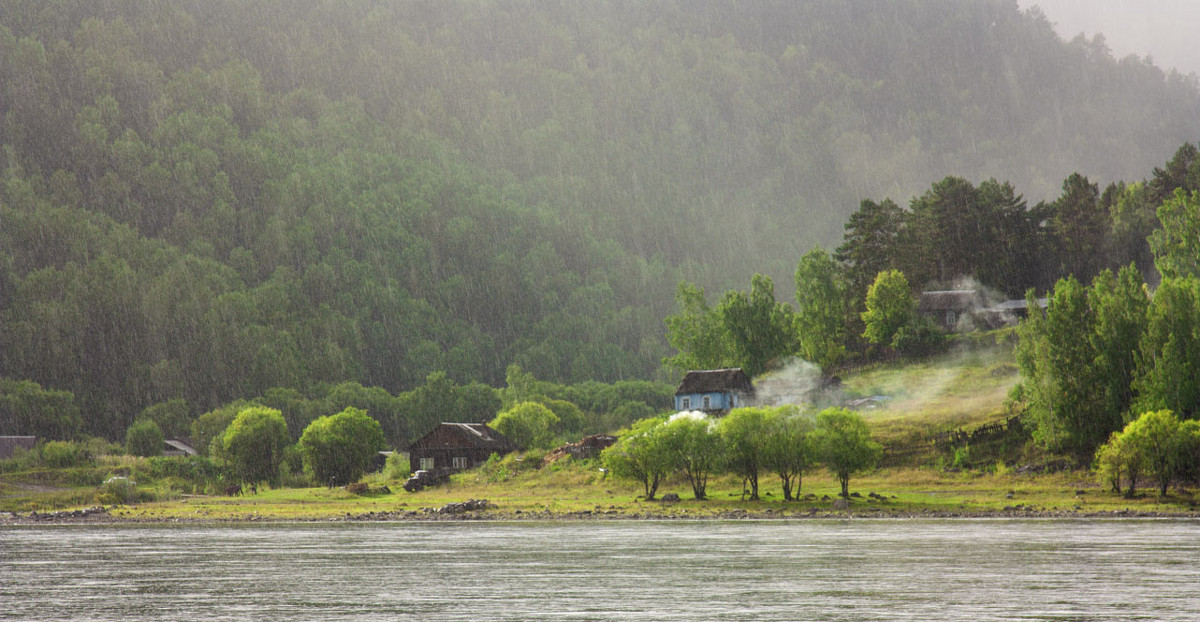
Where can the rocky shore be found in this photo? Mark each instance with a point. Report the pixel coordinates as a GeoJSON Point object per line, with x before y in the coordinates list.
{"type": "Point", "coordinates": [482, 509]}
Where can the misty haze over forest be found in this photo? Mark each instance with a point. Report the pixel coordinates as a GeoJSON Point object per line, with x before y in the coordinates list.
{"type": "Point", "coordinates": [208, 200]}
{"type": "Point", "coordinates": [1162, 30]}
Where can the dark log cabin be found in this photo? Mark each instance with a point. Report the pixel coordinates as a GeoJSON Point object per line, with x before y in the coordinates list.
{"type": "Point", "coordinates": [457, 446]}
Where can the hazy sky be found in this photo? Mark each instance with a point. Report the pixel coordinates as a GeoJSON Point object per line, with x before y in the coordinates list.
{"type": "Point", "coordinates": [1166, 30]}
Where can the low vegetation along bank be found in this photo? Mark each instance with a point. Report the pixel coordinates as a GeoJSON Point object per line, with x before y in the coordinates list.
{"type": "Point", "coordinates": [525, 488]}
{"type": "Point", "coordinates": [581, 490]}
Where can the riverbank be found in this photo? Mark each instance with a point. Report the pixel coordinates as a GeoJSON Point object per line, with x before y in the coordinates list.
{"type": "Point", "coordinates": [104, 516]}
{"type": "Point", "coordinates": [580, 490]}
{"type": "Point", "coordinates": [578, 493]}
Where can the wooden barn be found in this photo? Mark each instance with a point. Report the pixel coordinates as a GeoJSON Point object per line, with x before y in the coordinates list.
{"type": "Point", "coordinates": [714, 390]}
{"type": "Point", "coordinates": [457, 446]}
{"type": "Point", "coordinates": [178, 448]}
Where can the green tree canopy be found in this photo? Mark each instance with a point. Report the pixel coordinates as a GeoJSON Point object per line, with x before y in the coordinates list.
{"type": "Point", "coordinates": [639, 455]}
{"type": "Point", "coordinates": [843, 442]}
{"type": "Point", "coordinates": [528, 424]}
{"type": "Point", "coordinates": [1176, 246]}
{"type": "Point", "coordinates": [1079, 360]}
{"type": "Point", "coordinates": [821, 309]}
{"type": "Point", "coordinates": [28, 409]}
{"type": "Point", "coordinates": [697, 332]}
{"type": "Point", "coordinates": [694, 447]}
{"type": "Point", "coordinates": [1057, 363]}
{"type": "Point", "coordinates": [789, 450]}
{"type": "Point", "coordinates": [144, 438]}
{"type": "Point", "coordinates": [1168, 357]}
{"type": "Point", "coordinates": [870, 244]}
{"type": "Point", "coordinates": [890, 307]}
{"type": "Point", "coordinates": [760, 329]}
{"type": "Point", "coordinates": [254, 443]}
{"type": "Point", "coordinates": [1156, 443]}
{"type": "Point", "coordinates": [173, 417]}
{"type": "Point", "coordinates": [339, 448]}
{"type": "Point", "coordinates": [745, 435]}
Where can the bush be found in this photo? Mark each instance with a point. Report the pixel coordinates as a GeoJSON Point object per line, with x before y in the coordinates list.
{"type": "Point", "coordinates": [97, 446]}
{"type": "Point", "coordinates": [293, 461]}
{"type": "Point", "coordinates": [196, 471]}
{"type": "Point", "coordinates": [495, 470]}
{"type": "Point", "coordinates": [254, 444]}
{"type": "Point", "coordinates": [529, 425]}
{"type": "Point", "coordinates": [144, 438]}
{"type": "Point", "coordinates": [65, 454]}
{"type": "Point", "coordinates": [117, 490]}
{"type": "Point", "coordinates": [339, 448]}
{"type": "Point", "coordinates": [398, 467]}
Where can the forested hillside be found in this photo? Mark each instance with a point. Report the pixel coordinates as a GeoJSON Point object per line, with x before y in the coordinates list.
{"type": "Point", "coordinates": [207, 200]}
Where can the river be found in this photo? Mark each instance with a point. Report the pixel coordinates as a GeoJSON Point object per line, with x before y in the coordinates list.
{"type": "Point", "coordinates": [962, 569]}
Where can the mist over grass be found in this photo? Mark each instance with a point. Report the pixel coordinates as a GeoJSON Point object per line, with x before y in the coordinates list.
{"type": "Point", "coordinates": [964, 389]}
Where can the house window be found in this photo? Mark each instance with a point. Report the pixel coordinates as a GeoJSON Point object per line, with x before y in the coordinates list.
{"type": "Point", "coordinates": [427, 464]}
{"type": "Point", "coordinates": [951, 319]}
{"type": "Point", "coordinates": [733, 401]}
{"type": "Point", "coordinates": [685, 403]}
{"type": "Point", "coordinates": [707, 403]}
{"type": "Point", "coordinates": [459, 462]}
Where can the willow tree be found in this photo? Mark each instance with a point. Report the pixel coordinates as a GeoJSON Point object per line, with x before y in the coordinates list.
{"type": "Point", "coordinates": [843, 442]}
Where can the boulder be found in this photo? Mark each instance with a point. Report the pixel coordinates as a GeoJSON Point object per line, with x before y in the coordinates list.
{"type": "Point", "coordinates": [471, 505]}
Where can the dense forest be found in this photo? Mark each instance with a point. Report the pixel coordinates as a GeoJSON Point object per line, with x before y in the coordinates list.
{"type": "Point", "coordinates": [209, 201]}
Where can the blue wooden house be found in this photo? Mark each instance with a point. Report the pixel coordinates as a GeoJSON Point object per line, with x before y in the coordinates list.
{"type": "Point", "coordinates": [714, 390]}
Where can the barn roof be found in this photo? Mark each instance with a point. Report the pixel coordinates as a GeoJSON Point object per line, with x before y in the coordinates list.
{"type": "Point", "coordinates": [715, 381]}
{"type": "Point", "coordinates": [181, 447]}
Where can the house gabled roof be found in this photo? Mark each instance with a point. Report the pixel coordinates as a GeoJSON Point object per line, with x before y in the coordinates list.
{"type": "Point", "coordinates": [715, 381]}
{"type": "Point", "coordinates": [478, 435]}
{"type": "Point", "coordinates": [949, 300]}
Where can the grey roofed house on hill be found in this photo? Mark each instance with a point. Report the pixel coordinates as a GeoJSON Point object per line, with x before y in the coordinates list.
{"type": "Point", "coordinates": [969, 309]}
{"type": "Point", "coordinates": [948, 307]}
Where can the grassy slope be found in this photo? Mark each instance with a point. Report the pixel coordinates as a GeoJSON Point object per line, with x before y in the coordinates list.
{"type": "Point", "coordinates": [941, 394]}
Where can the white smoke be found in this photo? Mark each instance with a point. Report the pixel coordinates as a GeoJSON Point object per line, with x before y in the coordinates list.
{"type": "Point", "coordinates": [798, 382]}
{"type": "Point", "coordinates": [688, 414]}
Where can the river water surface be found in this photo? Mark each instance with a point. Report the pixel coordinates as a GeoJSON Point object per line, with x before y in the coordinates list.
{"type": "Point", "coordinates": [620, 570]}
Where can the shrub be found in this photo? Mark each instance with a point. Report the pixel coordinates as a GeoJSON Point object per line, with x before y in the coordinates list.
{"type": "Point", "coordinates": [117, 490]}
{"type": "Point", "coordinates": [293, 461]}
{"type": "Point", "coordinates": [254, 444]}
{"type": "Point", "coordinates": [529, 425]}
{"type": "Point", "coordinates": [144, 438]}
{"type": "Point", "coordinates": [398, 467]}
{"type": "Point", "coordinates": [495, 470]}
{"type": "Point", "coordinates": [65, 454]}
{"type": "Point", "coordinates": [339, 448]}
{"type": "Point", "coordinates": [198, 472]}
